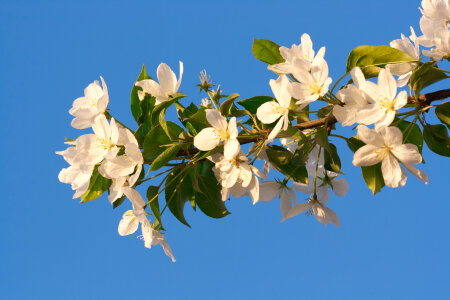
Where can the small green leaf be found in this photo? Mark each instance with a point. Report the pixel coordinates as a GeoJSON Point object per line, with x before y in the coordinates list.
{"type": "Point", "coordinates": [164, 105]}
{"type": "Point", "coordinates": [97, 186]}
{"type": "Point", "coordinates": [156, 140]}
{"type": "Point", "coordinates": [436, 137]}
{"type": "Point", "coordinates": [208, 191]}
{"type": "Point", "coordinates": [119, 202]}
{"type": "Point", "coordinates": [227, 107]}
{"type": "Point", "coordinates": [332, 160]}
{"type": "Point", "coordinates": [372, 175]}
{"type": "Point", "coordinates": [267, 51]}
{"type": "Point", "coordinates": [164, 157]}
{"type": "Point", "coordinates": [325, 111]}
{"type": "Point", "coordinates": [152, 193]}
{"type": "Point", "coordinates": [425, 75]}
{"type": "Point", "coordinates": [252, 104]}
{"type": "Point", "coordinates": [178, 191]}
{"type": "Point", "coordinates": [282, 160]}
{"type": "Point", "coordinates": [135, 102]}
{"type": "Point", "coordinates": [372, 58]}
{"type": "Point", "coordinates": [322, 137]}
{"type": "Point", "coordinates": [443, 113]}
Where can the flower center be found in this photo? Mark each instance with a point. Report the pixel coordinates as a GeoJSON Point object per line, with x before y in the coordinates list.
{"type": "Point", "coordinates": [387, 104]}
{"type": "Point", "coordinates": [223, 134]}
{"type": "Point", "coordinates": [106, 143]}
{"type": "Point", "coordinates": [280, 110]}
{"type": "Point", "coordinates": [383, 152]}
{"type": "Point", "coordinates": [315, 88]}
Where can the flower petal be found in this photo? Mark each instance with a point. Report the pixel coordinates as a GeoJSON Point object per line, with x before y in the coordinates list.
{"type": "Point", "coordinates": [268, 190]}
{"type": "Point", "coordinates": [392, 172]}
{"type": "Point", "coordinates": [207, 139]}
{"type": "Point", "coordinates": [267, 114]}
{"type": "Point", "coordinates": [366, 156]}
{"type": "Point", "coordinates": [128, 224]}
{"type": "Point", "coordinates": [296, 210]}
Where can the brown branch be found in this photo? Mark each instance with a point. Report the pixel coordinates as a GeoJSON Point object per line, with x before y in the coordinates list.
{"type": "Point", "coordinates": [423, 99]}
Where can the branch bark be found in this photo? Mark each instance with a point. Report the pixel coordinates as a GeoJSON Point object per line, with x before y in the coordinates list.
{"type": "Point", "coordinates": [423, 99]}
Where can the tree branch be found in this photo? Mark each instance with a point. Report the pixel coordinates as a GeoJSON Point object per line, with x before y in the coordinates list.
{"type": "Point", "coordinates": [423, 99]}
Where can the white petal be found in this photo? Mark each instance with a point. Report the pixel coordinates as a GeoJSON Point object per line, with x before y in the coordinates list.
{"type": "Point", "coordinates": [207, 139]}
{"type": "Point", "coordinates": [231, 148]}
{"type": "Point", "coordinates": [340, 187]}
{"type": "Point", "coordinates": [167, 79]}
{"type": "Point", "coordinates": [267, 114]}
{"type": "Point", "coordinates": [407, 154]}
{"type": "Point", "coordinates": [366, 156]}
{"type": "Point", "coordinates": [296, 210]}
{"type": "Point", "coordinates": [285, 202]}
{"type": "Point", "coordinates": [392, 172]}
{"type": "Point", "coordinates": [232, 128]}
{"type": "Point", "coordinates": [134, 196]}
{"type": "Point", "coordinates": [416, 172]}
{"type": "Point", "coordinates": [392, 136]}
{"type": "Point", "coordinates": [269, 190]}
{"type": "Point", "coordinates": [129, 223]}
{"type": "Point", "coordinates": [370, 136]}
{"type": "Point", "coordinates": [304, 188]}
{"type": "Point", "coordinates": [273, 134]}
{"type": "Point", "coordinates": [216, 119]}
{"type": "Point", "coordinates": [179, 79]}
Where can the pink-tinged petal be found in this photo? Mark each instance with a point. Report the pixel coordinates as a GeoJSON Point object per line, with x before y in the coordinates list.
{"type": "Point", "coordinates": [416, 172]}
{"type": "Point", "coordinates": [407, 154]}
{"type": "Point", "coordinates": [269, 190]}
{"type": "Point", "coordinates": [231, 148]}
{"type": "Point", "coordinates": [401, 100]}
{"type": "Point", "coordinates": [340, 187]}
{"type": "Point", "coordinates": [392, 172]}
{"type": "Point", "coordinates": [129, 223]}
{"type": "Point", "coordinates": [207, 139]}
{"type": "Point", "coordinates": [267, 114]}
{"type": "Point", "coordinates": [273, 134]}
{"type": "Point", "coordinates": [366, 156]}
{"type": "Point", "coordinates": [296, 210]}
{"type": "Point", "coordinates": [370, 136]}
{"type": "Point", "coordinates": [181, 76]}
{"type": "Point", "coordinates": [392, 136]}
{"type": "Point", "coordinates": [167, 79]}
{"type": "Point", "coordinates": [285, 202]}
{"type": "Point", "coordinates": [216, 119]}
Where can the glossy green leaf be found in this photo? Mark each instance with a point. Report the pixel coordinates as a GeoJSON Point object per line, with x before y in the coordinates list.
{"type": "Point", "coordinates": [436, 137]}
{"type": "Point", "coordinates": [252, 104]}
{"type": "Point", "coordinates": [372, 175]}
{"type": "Point", "coordinates": [119, 202]}
{"type": "Point", "coordinates": [332, 160]}
{"type": "Point", "coordinates": [178, 191]}
{"type": "Point", "coordinates": [425, 75]}
{"type": "Point", "coordinates": [152, 198]}
{"type": "Point", "coordinates": [208, 191]}
{"type": "Point", "coordinates": [164, 157]}
{"type": "Point", "coordinates": [228, 108]}
{"type": "Point", "coordinates": [282, 160]}
{"type": "Point", "coordinates": [97, 186]}
{"type": "Point", "coordinates": [411, 133]}
{"type": "Point", "coordinates": [156, 140]}
{"type": "Point", "coordinates": [267, 51]}
{"type": "Point", "coordinates": [135, 102]}
{"type": "Point", "coordinates": [322, 137]}
{"type": "Point", "coordinates": [372, 58]}
{"type": "Point", "coordinates": [443, 113]}
{"type": "Point", "coordinates": [164, 105]}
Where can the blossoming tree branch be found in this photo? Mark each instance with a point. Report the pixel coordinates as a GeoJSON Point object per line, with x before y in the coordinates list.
{"type": "Point", "coordinates": [211, 153]}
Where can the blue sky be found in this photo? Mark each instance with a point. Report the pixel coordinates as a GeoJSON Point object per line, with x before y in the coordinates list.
{"type": "Point", "coordinates": [395, 245]}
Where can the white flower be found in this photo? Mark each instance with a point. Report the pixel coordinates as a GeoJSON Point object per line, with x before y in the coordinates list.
{"type": "Point", "coordinates": [442, 43]}
{"type": "Point", "coordinates": [430, 29]}
{"type": "Point", "coordinates": [354, 101]}
{"type": "Point", "coordinates": [124, 165]}
{"type": "Point", "coordinates": [131, 219]}
{"type": "Point", "coordinates": [385, 101]}
{"type": "Point", "coordinates": [318, 207]}
{"type": "Point", "coordinates": [271, 111]}
{"type": "Point", "coordinates": [313, 84]}
{"type": "Point", "coordinates": [386, 146]}
{"type": "Point", "coordinates": [86, 109]}
{"type": "Point", "coordinates": [236, 176]}
{"type": "Point", "coordinates": [269, 190]}
{"type": "Point", "coordinates": [298, 57]}
{"type": "Point", "coordinates": [221, 131]}
{"type": "Point", "coordinates": [405, 69]}
{"type": "Point", "coordinates": [168, 84]}
{"type": "Point", "coordinates": [437, 10]}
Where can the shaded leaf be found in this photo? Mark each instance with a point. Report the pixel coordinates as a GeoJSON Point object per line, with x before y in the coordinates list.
{"type": "Point", "coordinates": [152, 198]}
{"type": "Point", "coordinates": [135, 102]}
{"type": "Point", "coordinates": [282, 160]}
{"type": "Point", "coordinates": [425, 75]}
{"type": "Point", "coordinates": [332, 160]}
{"type": "Point", "coordinates": [443, 113]}
{"type": "Point", "coordinates": [178, 191]}
{"type": "Point", "coordinates": [97, 186]}
{"type": "Point", "coordinates": [436, 137]}
{"type": "Point", "coordinates": [252, 104]}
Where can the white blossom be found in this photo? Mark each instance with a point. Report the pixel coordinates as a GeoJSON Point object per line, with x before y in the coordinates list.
{"type": "Point", "coordinates": [86, 109]}
{"type": "Point", "coordinates": [269, 190]}
{"type": "Point", "coordinates": [437, 10]}
{"type": "Point", "coordinates": [386, 146]}
{"type": "Point", "coordinates": [221, 131]}
{"type": "Point", "coordinates": [271, 111]}
{"type": "Point", "coordinates": [168, 84]}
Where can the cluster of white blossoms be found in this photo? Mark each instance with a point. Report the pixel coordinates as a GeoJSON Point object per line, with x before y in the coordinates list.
{"type": "Point", "coordinates": [114, 151]}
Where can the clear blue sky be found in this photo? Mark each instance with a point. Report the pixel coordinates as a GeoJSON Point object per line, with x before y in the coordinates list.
{"type": "Point", "coordinates": [392, 246]}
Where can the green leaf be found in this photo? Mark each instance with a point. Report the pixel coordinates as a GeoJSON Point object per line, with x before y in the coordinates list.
{"type": "Point", "coordinates": [372, 175]}
{"type": "Point", "coordinates": [425, 75]}
{"type": "Point", "coordinates": [322, 137]}
{"type": "Point", "coordinates": [198, 120]}
{"type": "Point", "coordinates": [267, 51]}
{"type": "Point", "coordinates": [325, 111]}
{"type": "Point", "coordinates": [135, 102]}
{"type": "Point", "coordinates": [164, 157]}
{"type": "Point", "coordinates": [152, 193]}
{"type": "Point", "coordinates": [372, 58]}
{"type": "Point", "coordinates": [97, 186]}
{"type": "Point", "coordinates": [208, 191]}
{"type": "Point", "coordinates": [252, 104]}
{"type": "Point", "coordinates": [178, 191]}
{"type": "Point", "coordinates": [332, 160]}
{"type": "Point", "coordinates": [436, 137]}
{"type": "Point", "coordinates": [282, 160]}
{"type": "Point", "coordinates": [119, 202]}
{"type": "Point", "coordinates": [164, 105]}
{"type": "Point", "coordinates": [156, 139]}
{"type": "Point", "coordinates": [443, 113]}
{"type": "Point", "coordinates": [411, 133]}
{"type": "Point", "coordinates": [227, 108]}
{"type": "Point", "coordinates": [302, 115]}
